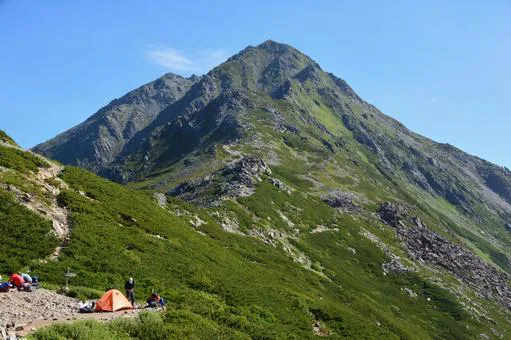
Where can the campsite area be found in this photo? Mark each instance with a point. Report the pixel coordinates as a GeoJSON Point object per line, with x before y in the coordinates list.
{"type": "Point", "coordinates": [26, 312]}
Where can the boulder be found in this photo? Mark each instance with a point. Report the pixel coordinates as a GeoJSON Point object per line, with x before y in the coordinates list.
{"type": "Point", "coordinates": [392, 213]}
{"type": "Point", "coordinates": [280, 185]}
{"type": "Point", "coordinates": [342, 200]}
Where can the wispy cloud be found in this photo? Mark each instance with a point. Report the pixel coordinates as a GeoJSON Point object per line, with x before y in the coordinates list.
{"type": "Point", "coordinates": [171, 59]}
{"type": "Point", "coordinates": [174, 60]}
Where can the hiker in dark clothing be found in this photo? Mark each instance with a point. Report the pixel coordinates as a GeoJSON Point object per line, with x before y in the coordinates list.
{"type": "Point", "coordinates": [130, 290]}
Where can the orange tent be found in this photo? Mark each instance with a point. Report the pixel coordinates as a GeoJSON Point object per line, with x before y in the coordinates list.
{"type": "Point", "coordinates": [112, 301]}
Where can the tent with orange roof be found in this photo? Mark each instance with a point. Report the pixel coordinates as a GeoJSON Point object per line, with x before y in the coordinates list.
{"type": "Point", "coordinates": [113, 300]}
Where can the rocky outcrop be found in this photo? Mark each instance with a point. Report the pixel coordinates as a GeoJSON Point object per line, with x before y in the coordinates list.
{"type": "Point", "coordinates": [424, 245]}
{"type": "Point", "coordinates": [346, 201]}
{"type": "Point", "coordinates": [161, 199]}
{"type": "Point", "coordinates": [183, 128]}
{"type": "Point", "coordinates": [392, 213]}
{"type": "Point", "coordinates": [235, 180]}
{"type": "Point", "coordinates": [280, 185]}
{"type": "Point", "coordinates": [395, 265]}
{"type": "Point", "coordinates": [248, 170]}
{"type": "Point", "coordinates": [428, 247]}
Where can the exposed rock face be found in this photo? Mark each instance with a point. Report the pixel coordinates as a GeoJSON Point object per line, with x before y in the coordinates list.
{"type": "Point", "coordinates": [391, 213]}
{"type": "Point", "coordinates": [182, 128]}
{"type": "Point", "coordinates": [235, 180]}
{"type": "Point", "coordinates": [343, 200]}
{"type": "Point", "coordinates": [161, 199]}
{"type": "Point", "coordinates": [417, 176]}
{"type": "Point", "coordinates": [427, 246]}
{"type": "Point", "coordinates": [97, 141]}
{"type": "Point", "coordinates": [248, 170]}
{"type": "Point", "coordinates": [279, 121]}
{"type": "Point", "coordinates": [499, 180]}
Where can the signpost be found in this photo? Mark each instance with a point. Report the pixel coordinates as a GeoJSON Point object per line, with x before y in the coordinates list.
{"type": "Point", "coordinates": [68, 274]}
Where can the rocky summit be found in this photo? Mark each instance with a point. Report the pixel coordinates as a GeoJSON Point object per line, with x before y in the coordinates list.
{"type": "Point", "coordinates": [273, 195]}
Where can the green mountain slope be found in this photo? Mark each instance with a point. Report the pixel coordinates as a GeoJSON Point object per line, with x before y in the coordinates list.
{"type": "Point", "coordinates": [325, 279]}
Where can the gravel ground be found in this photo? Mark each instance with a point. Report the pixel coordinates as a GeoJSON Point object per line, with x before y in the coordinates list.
{"type": "Point", "coordinates": [23, 312]}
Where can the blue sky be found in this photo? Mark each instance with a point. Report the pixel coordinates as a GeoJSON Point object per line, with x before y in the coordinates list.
{"type": "Point", "coordinates": [443, 68]}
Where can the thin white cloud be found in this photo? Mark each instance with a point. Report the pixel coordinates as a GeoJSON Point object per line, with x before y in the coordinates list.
{"type": "Point", "coordinates": [173, 60]}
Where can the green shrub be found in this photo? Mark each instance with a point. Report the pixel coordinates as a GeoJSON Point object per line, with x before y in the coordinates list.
{"type": "Point", "coordinates": [79, 330]}
{"type": "Point", "coordinates": [24, 235]}
{"type": "Point", "coordinates": [21, 161]}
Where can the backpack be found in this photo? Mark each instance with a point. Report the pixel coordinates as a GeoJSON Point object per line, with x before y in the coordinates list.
{"type": "Point", "coordinates": [5, 286]}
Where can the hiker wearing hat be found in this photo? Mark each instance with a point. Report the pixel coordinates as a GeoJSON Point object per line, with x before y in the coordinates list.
{"type": "Point", "coordinates": [130, 290]}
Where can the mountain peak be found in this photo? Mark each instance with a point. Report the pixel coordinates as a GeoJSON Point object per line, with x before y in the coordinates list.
{"type": "Point", "coordinates": [263, 68]}
{"type": "Point", "coordinates": [274, 46]}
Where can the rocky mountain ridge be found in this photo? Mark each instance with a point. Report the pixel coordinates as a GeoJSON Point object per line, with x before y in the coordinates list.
{"type": "Point", "coordinates": [95, 143]}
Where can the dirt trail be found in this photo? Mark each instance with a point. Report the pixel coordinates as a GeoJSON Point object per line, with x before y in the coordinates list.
{"type": "Point", "coordinates": [49, 180]}
{"type": "Point", "coordinates": [21, 312]}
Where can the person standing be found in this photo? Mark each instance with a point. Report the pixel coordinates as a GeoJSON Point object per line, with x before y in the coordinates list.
{"type": "Point", "coordinates": [129, 287]}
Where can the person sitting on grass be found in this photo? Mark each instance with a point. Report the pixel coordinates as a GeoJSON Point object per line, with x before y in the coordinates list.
{"type": "Point", "coordinates": [155, 301]}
